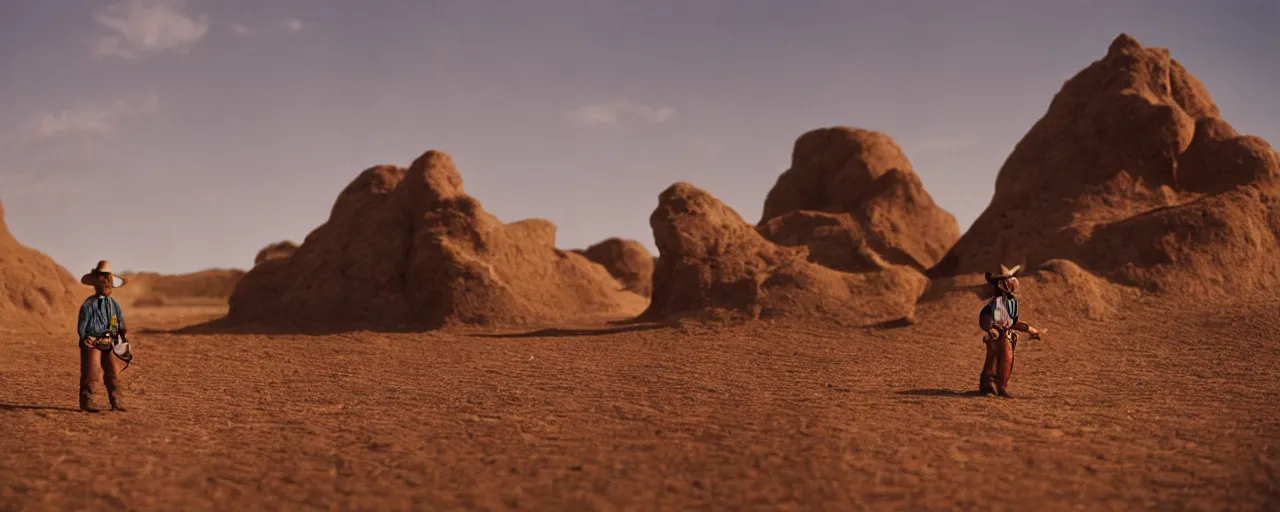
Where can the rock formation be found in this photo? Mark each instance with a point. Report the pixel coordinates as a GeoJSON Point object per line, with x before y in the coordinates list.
{"type": "Point", "coordinates": [627, 261]}
{"type": "Point", "coordinates": [36, 294]}
{"type": "Point", "coordinates": [712, 263]}
{"type": "Point", "coordinates": [278, 250]}
{"type": "Point", "coordinates": [1058, 291]}
{"type": "Point", "coordinates": [853, 198]}
{"type": "Point", "coordinates": [407, 248]}
{"type": "Point", "coordinates": [1133, 174]}
{"type": "Point", "coordinates": [206, 287]}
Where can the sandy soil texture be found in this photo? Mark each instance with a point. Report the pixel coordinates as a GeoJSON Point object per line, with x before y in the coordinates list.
{"type": "Point", "coordinates": [1161, 408]}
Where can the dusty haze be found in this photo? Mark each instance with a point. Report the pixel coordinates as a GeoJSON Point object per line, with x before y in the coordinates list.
{"type": "Point", "coordinates": [239, 126]}
{"type": "Point", "coordinates": [808, 337]}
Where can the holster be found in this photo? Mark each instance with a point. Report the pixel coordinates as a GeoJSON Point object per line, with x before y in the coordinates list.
{"type": "Point", "coordinates": [99, 342]}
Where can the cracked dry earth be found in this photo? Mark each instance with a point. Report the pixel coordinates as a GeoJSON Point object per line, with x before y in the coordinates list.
{"type": "Point", "coordinates": [1166, 408]}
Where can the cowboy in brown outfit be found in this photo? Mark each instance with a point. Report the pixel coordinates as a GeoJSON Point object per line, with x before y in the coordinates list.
{"type": "Point", "coordinates": [102, 330]}
{"type": "Point", "coordinates": [998, 319]}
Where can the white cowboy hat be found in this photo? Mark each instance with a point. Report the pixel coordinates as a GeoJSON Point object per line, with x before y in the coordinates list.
{"type": "Point", "coordinates": [1005, 273]}
{"type": "Point", "coordinates": [1008, 272]}
{"type": "Point", "coordinates": [103, 268]}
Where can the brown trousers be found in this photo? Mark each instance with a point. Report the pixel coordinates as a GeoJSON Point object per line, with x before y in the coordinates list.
{"type": "Point", "coordinates": [998, 366]}
{"type": "Point", "coordinates": [98, 365]}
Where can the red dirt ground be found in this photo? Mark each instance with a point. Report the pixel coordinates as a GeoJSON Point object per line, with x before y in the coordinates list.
{"type": "Point", "coordinates": [1159, 408]}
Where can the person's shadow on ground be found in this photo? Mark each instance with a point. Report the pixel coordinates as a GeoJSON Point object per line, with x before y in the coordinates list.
{"type": "Point", "coordinates": [21, 407]}
{"type": "Point", "coordinates": [942, 392]}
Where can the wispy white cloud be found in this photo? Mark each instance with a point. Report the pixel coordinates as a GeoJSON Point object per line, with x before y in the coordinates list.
{"type": "Point", "coordinates": [291, 26]}
{"type": "Point", "coordinates": [617, 113]}
{"type": "Point", "coordinates": [139, 27]}
{"type": "Point", "coordinates": [88, 119]}
{"type": "Point", "coordinates": [60, 142]}
{"type": "Point", "coordinates": [296, 25]}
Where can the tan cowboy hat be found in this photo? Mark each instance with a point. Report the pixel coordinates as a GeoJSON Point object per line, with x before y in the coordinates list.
{"type": "Point", "coordinates": [1005, 273]}
{"type": "Point", "coordinates": [103, 269]}
{"type": "Point", "coordinates": [1008, 272]}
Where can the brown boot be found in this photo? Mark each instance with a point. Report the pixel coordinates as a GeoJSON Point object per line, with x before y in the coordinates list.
{"type": "Point", "coordinates": [117, 404]}
{"type": "Point", "coordinates": [111, 379]}
{"type": "Point", "coordinates": [1004, 367]}
{"type": "Point", "coordinates": [90, 375]}
{"type": "Point", "coordinates": [987, 380]}
{"type": "Point", "coordinates": [86, 402]}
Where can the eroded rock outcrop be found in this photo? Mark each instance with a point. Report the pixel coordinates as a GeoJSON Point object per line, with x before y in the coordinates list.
{"type": "Point", "coordinates": [408, 248]}
{"type": "Point", "coordinates": [279, 250]}
{"type": "Point", "coordinates": [1133, 174]}
{"type": "Point", "coordinates": [852, 193]}
{"type": "Point", "coordinates": [627, 261]}
{"type": "Point", "coordinates": [713, 263]}
{"type": "Point", "coordinates": [36, 294]}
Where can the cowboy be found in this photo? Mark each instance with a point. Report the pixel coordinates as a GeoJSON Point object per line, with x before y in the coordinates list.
{"type": "Point", "coordinates": [102, 330]}
{"type": "Point", "coordinates": [999, 317]}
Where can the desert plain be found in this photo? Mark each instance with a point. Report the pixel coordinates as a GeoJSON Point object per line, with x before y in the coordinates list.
{"type": "Point", "coordinates": [417, 353]}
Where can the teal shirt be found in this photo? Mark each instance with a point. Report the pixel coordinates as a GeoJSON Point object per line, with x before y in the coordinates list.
{"type": "Point", "coordinates": [99, 316]}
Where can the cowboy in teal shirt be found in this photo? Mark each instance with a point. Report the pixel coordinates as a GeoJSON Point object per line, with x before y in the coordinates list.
{"type": "Point", "coordinates": [101, 326]}
{"type": "Point", "coordinates": [999, 316]}
{"type": "Point", "coordinates": [101, 317]}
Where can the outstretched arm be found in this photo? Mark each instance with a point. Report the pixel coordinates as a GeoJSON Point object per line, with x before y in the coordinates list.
{"type": "Point", "coordinates": [1024, 327]}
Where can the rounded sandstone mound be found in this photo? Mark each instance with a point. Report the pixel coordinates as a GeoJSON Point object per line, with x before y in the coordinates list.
{"type": "Point", "coordinates": [206, 287]}
{"type": "Point", "coordinates": [834, 240]}
{"type": "Point", "coordinates": [873, 198]}
{"type": "Point", "coordinates": [408, 249]}
{"type": "Point", "coordinates": [626, 260]}
{"type": "Point", "coordinates": [713, 264]}
{"type": "Point", "coordinates": [1057, 290]}
{"type": "Point", "coordinates": [36, 294]}
{"type": "Point", "coordinates": [279, 250]}
{"type": "Point", "coordinates": [1132, 174]}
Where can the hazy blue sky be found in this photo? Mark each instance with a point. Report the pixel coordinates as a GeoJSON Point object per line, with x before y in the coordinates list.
{"type": "Point", "coordinates": [175, 136]}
